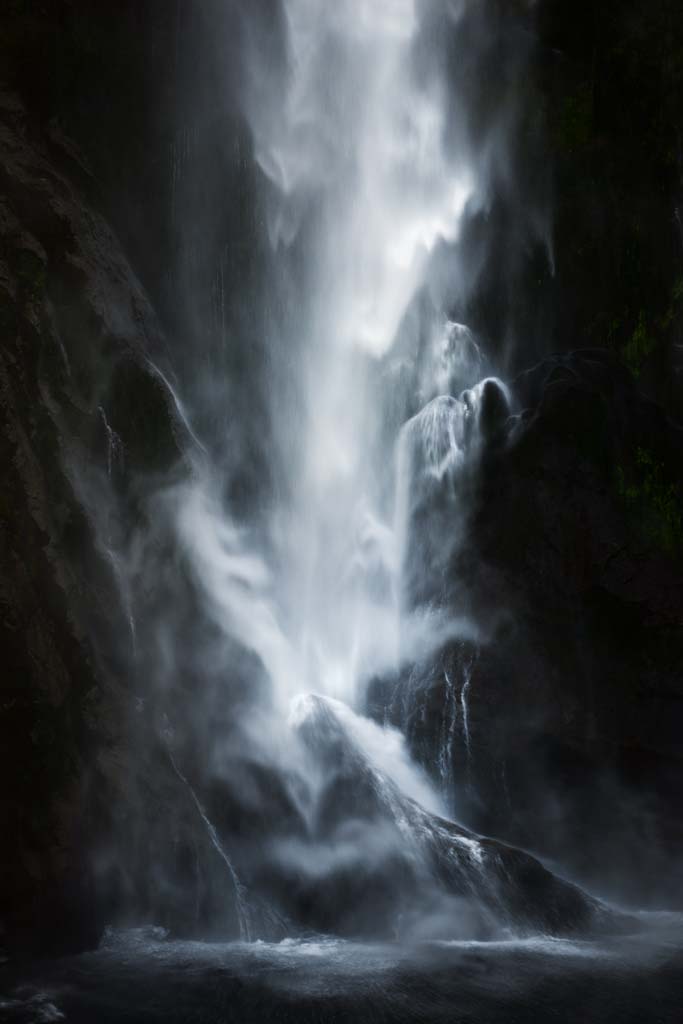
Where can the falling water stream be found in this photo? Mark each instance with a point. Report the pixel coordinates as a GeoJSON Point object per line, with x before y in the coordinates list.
{"type": "Point", "coordinates": [367, 175]}
{"type": "Point", "coordinates": [367, 170]}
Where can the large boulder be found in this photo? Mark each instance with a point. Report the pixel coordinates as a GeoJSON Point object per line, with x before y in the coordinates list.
{"type": "Point", "coordinates": [376, 863]}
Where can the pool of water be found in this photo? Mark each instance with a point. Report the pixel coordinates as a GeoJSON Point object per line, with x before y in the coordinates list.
{"type": "Point", "coordinates": [141, 976]}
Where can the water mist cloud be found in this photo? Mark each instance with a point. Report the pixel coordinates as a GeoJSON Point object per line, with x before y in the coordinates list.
{"type": "Point", "coordinates": [357, 129]}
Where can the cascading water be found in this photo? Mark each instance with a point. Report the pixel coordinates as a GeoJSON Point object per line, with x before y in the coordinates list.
{"type": "Point", "coordinates": [336, 570]}
{"type": "Point", "coordinates": [358, 167]}
{"type": "Point", "coordinates": [364, 177]}
{"type": "Point", "coordinates": [367, 172]}
{"type": "Point", "coordinates": [368, 176]}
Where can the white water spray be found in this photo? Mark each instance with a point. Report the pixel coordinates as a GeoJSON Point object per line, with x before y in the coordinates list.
{"type": "Point", "coordinates": [356, 151]}
{"type": "Point", "coordinates": [368, 176]}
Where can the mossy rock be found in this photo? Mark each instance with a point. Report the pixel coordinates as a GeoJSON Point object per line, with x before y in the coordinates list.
{"type": "Point", "coordinates": [653, 500]}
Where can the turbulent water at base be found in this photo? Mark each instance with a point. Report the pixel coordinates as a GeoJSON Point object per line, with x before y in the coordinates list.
{"type": "Point", "coordinates": [140, 976]}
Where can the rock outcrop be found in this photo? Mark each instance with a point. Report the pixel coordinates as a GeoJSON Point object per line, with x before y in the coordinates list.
{"type": "Point", "coordinates": [568, 714]}
{"type": "Point", "coordinates": [80, 410]}
{"type": "Point", "coordinates": [378, 864]}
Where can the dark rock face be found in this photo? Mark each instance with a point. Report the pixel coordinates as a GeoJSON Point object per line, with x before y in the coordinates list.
{"type": "Point", "coordinates": [605, 188]}
{"type": "Point", "coordinates": [76, 330]}
{"type": "Point", "coordinates": [561, 730]}
{"type": "Point", "coordinates": [102, 826]}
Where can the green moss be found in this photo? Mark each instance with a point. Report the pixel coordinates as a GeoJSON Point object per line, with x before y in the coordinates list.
{"type": "Point", "coordinates": [674, 307]}
{"type": "Point", "coordinates": [573, 128]}
{"type": "Point", "coordinates": [640, 345]}
{"type": "Point", "coordinates": [649, 333]}
{"type": "Point", "coordinates": [653, 500]}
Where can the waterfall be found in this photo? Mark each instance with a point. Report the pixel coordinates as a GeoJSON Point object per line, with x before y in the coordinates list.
{"type": "Point", "coordinates": [361, 174]}
{"type": "Point", "coordinates": [368, 172]}
{"type": "Point", "coordinates": [333, 409]}
{"type": "Point", "coordinates": [241, 904]}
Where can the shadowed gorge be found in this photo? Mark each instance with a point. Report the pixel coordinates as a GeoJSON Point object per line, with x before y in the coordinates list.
{"type": "Point", "coordinates": [341, 528]}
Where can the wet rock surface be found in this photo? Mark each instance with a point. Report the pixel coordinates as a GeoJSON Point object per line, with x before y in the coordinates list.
{"type": "Point", "coordinates": [76, 329]}
{"type": "Point", "coordinates": [568, 714]}
{"type": "Point", "coordinates": [429, 876]}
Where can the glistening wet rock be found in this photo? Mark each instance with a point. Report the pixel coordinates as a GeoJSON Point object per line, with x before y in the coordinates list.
{"type": "Point", "coordinates": [571, 557]}
{"type": "Point", "coordinates": [397, 868]}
